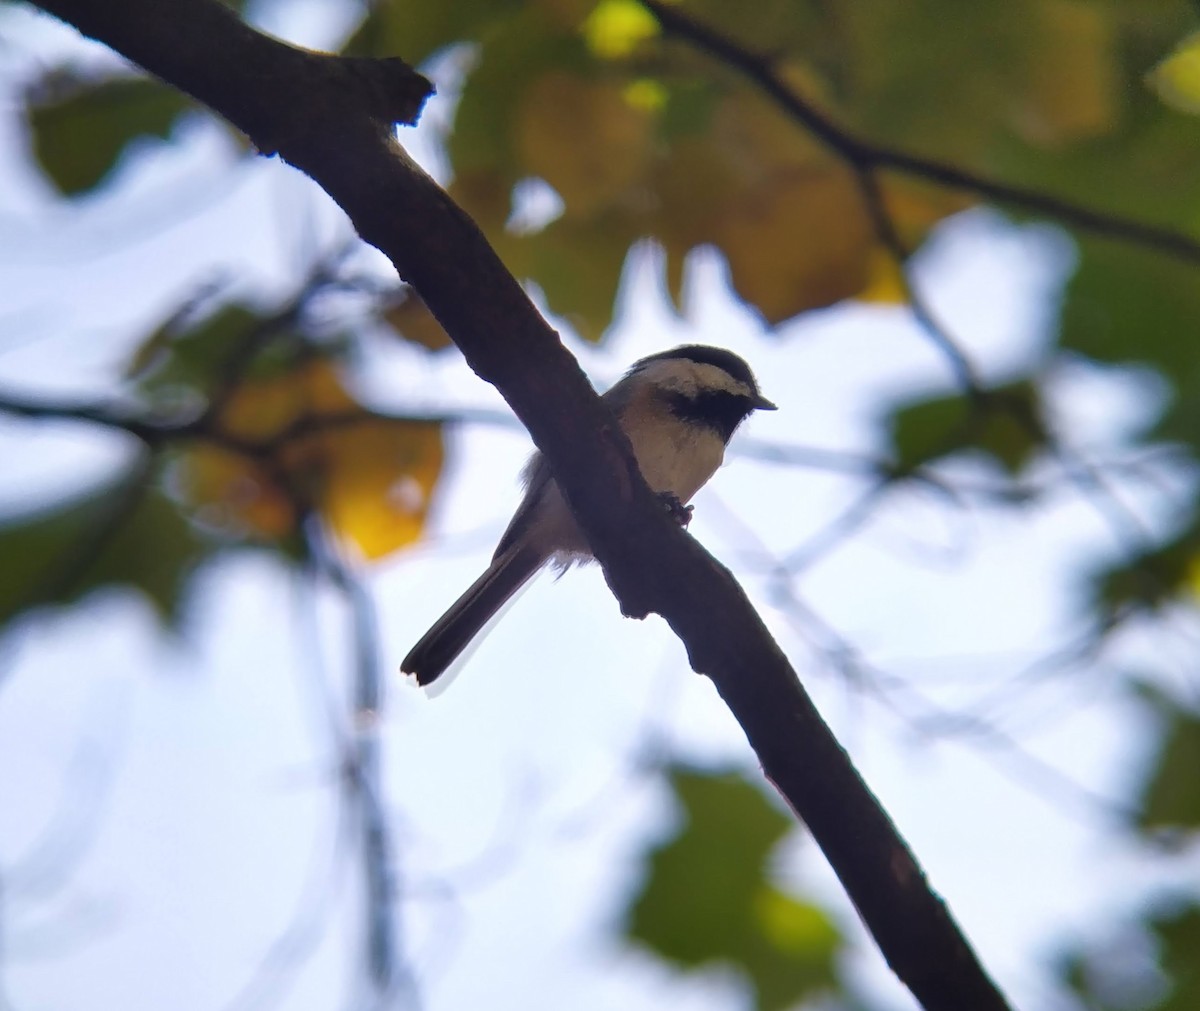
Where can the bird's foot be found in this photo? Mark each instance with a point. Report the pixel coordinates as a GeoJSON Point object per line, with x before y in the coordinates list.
{"type": "Point", "coordinates": [680, 513]}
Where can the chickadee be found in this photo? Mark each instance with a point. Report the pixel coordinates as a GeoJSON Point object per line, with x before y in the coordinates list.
{"type": "Point", "coordinates": [679, 409]}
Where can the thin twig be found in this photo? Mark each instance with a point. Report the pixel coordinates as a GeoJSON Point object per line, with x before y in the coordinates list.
{"type": "Point", "coordinates": [278, 971]}
{"type": "Point", "coordinates": [930, 720]}
{"type": "Point", "coordinates": [885, 230]}
{"type": "Point", "coordinates": [156, 433]}
{"type": "Point", "coordinates": [385, 964]}
{"type": "Point", "coordinates": [113, 416]}
{"type": "Point", "coordinates": [844, 526]}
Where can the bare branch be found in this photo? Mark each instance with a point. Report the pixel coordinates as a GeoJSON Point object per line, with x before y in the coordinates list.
{"type": "Point", "coordinates": [112, 416]}
{"type": "Point", "coordinates": [885, 230]}
{"type": "Point", "coordinates": [385, 966]}
{"type": "Point", "coordinates": [156, 433]}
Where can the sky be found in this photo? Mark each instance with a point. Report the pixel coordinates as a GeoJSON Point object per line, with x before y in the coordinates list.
{"type": "Point", "coordinates": [172, 831]}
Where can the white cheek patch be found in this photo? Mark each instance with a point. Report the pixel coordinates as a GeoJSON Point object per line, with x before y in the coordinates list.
{"type": "Point", "coordinates": [678, 375]}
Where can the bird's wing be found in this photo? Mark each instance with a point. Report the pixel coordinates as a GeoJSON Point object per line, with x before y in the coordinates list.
{"type": "Point", "coordinates": [537, 477]}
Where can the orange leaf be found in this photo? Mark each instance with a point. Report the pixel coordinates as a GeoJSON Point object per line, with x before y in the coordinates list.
{"type": "Point", "coordinates": [371, 478]}
{"type": "Point", "coordinates": [801, 242]}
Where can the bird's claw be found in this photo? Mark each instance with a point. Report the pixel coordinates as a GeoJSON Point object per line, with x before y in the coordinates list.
{"type": "Point", "coordinates": [680, 513]}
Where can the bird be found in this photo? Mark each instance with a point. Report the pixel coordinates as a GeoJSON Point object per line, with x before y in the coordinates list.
{"type": "Point", "coordinates": [679, 409]}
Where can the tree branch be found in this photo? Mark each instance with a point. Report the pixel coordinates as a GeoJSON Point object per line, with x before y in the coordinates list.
{"type": "Point", "coordinates": [885, 231]}
{"type": "Point", "coordinates": [388, 972]}
{"type": "Point", "coordinates": [106, 416]}
{"type": "Point", "coordinates": [863, 154]}
{"type": "Point", "coordinates": [207, 428]}
{"type": "Point", "coordinates": [649, 562]}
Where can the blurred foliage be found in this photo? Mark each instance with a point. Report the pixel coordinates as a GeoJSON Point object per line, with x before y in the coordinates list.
{"type": "Point", "coordinates": [126, 533]}
{"type": "Point", "coordinates": [1004, 424]}
{"type": "Point", "coordinates": [269, 432]}
{"type": "Point", "coordinates": [81, 127]}
{"type": "Point", "coordinates": [1153, 578]}
{"type": "Point", "coordinates": [707, 897]}
{"type": "Point", "coordinates": [641, 136]}
{"type": "Point", "coordinates": [1150, 964]}
{"type": "Point", "coordinates": [1177, 77]}
{"type": "Point", "coordinates": [370, 477]}
{"type": "Point", "coordinates": [1171, 798]}
{"type": "Point", "coordinates": [1157, 971]}
{"type": "Point", "coordinates": [1129, 305]}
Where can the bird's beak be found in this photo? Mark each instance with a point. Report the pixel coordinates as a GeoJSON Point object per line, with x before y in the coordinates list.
{"type": "Point", "coordinates": [761, 403]}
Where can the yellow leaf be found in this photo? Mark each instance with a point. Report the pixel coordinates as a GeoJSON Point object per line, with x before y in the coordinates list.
{"type": "Point", "coordinates": [885, 279]}
{"type": "Point", "coordinates": [370, 478]}
{"type": "Point", "coordinates": [801, 242]}
{"type": "Point", "coordinates": [585, 139]}
{"type": "Point", "coordinates": [616, 28]}
{"type": "Point", "coordinates": [792, 926]}
{"type": "Point", "coordinates": [378, 480]}
{"type": "Point", "coordinates": [1177, 78]}
{"type": "Point", "coordinates": [788, 215]}
{"type": "Point", "coordinates": [646, 93]}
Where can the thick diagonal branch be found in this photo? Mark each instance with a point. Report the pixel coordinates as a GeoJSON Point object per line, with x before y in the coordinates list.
{"type": "Point", "coordinates": [650, 564]}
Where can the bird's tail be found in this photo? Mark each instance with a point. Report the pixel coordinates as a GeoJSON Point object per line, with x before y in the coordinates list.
{"type": "Point", "coordinates": [454, 630]}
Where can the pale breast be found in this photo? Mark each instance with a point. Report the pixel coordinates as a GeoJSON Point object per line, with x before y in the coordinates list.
{"type": "Point", "coordinates": [673, 456]}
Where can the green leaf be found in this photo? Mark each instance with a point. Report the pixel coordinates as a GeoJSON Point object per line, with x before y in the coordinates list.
{"type": "Point", "coordinates": [1153, 578]}
{"type": "Point", "coordinates": [198, 357]}
{"type": "Point", "coordinates": [415, 31]}
{"type": "Point", "coordinates": [578, 267]}
{"type": "Point", "coordinates": [1141, 166]}
{"type": "Point", "coordinates": [1004, 422]}
{"type": "Point", "coordinates": [1111, 975]}
{"type": "Point", "coordinates": [1128, 306]}
{"type": "Point", "coordinates": [707, 897]}
{"type": "Point", "coordinates": [930, 75]}
{"type": "Point", "coordinates": [78, 139]}
{"type": "Point", "coordinates": [1179, 935]}
{"type": "Point", "coordinates": [1172, 796]}
{"type": "Point", "coordinates": [518, 51]}
{"type": "Point", "coordinates": [126, 533]}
